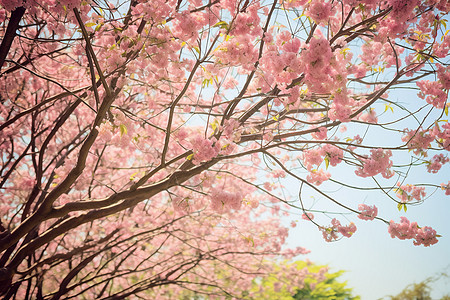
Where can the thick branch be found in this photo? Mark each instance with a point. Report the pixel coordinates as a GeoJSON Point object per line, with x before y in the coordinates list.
{"type": "Point", "coordinates": [10, 34]}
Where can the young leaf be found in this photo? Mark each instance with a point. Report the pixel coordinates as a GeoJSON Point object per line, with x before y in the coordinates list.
{"type": "Point", "coordinates": [327, 161]}
{"type": "Point", "coordinates": [123, 129]}
{"type": "Point", "coordinates": [221, 24]}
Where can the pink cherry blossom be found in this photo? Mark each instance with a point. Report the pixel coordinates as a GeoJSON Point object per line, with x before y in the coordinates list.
{"type": "Point", "coordinates": [308, 216]}
{"type": "Point", "coordinates": [331, 233]}
{"type": "Point", "coordinates": [204, 149]}
{"type": "Point", "coordinates": [409, 192]}
{"type": "Point", "coordinates": [436, 163]}
{"type": "Point", "coordinates": [418, 140]}
{"type": "Point", "coordinates": [410, 230]}
{"type": "Point", "coordinates": [319, 11]}
{"type": "Point", "coordinates": [317, 177]}
{"type": "Point", "coordinates": [378, 162]}
{"type": "Point", "coordinates": [432, 92]}
{"type": "Point", "coordinates": [367, 212]}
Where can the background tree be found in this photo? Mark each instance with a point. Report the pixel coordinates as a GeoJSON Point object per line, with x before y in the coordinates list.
{"type": "Point", "coordinates": [289, 282]}
{"type": "Point", "coordinates": [117, 118]}
{"type": "Point", "coordinates": [419, 291]}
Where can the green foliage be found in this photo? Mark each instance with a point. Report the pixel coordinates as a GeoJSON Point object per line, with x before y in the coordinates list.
{"type": "Point", "coordinates": [328, 289]}
{"type": "Point", "coordinates": [419, 291]}
{"type": "Point", "coordinates": [415, 291]}
{"type": "Point", "coordinates": [285, 281]}
{"type": "Point", "coordinates": [319, 284]}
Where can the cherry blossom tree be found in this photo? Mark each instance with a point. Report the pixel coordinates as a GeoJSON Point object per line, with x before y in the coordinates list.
{"type": "Point", "coordinates": [144, 144]}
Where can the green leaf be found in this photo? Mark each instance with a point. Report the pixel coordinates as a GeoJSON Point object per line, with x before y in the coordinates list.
{"type": "Point", "coordinates": [205, 83]}
{"type": "Point", "coordinates": [190, 156]}
{"type": "Point", "coordinates": [402, 205]}
{"type": "Point", "coordinates": [388, 106]}
{"type": "Point", "coordinates": [90, 24]}
{"type": "Point", "coordinates": [327, 161]}
{"type": "Point", "coordinates": [133, 176]}
{"type": "Point", "coordinates": [250, 240]}
{"type": "Point", "coordinates": [123, 129]}
{"type": "Point", "coordinates": [221, 24]}
{"type": "Point", "coordinates": [215, 125]}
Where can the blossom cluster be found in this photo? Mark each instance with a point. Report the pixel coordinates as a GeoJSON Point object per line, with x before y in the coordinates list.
{"type": "Point", "coordinates": [333, 154]}
{"type": "Point", "coordinates": [204, 149]}
{"type": "Point", "coordinates": [157, 10]}
{"type": "Point", "coordinates": [332, 232]}
{"type": "Point", "coordinates": [237, 51]}
{"type": "Point", "coordinates": [410, 230]}
{"type": "Point", "coordinates": [367, 212]}
{"type": "Point", "coordinates": [319, 11]}
{"type": "Point", "coordinates": [119, 132]}
{"type": "Point", "coordinates": [318, 176]}
{"type": "Point", "coordinates": [378, 162]}
{"type": "Point", "coordinates": [402, 9]}
{"type": "Point", "coordinates": [436, 163]}
{"type": "Point", "coordinates": [230, 130]}
{"type": "Point", "coordinates": [408, 192]}
{"type": "Point", "coordinates": [223, 201]}
{"type": "Point", "coordinates": [432, 92]}
{"type": "Point", "coordinates": [369, 117]}
{"type": "Point", "coordinates": [308, 216]}
{"type": "Point", "coordinates": [321, 134]}
{"type": "Point", "coordinates": [341, 108]}
{"type": "Point", "coordinates": [318, 55]}
{"type": "Point", "coordinates": [444, 76]}
{"type": "Point", "coordinates": [281, 62]}
{"type": "Point", "coordinates": [442, 50]}
{"type": "Point", "coordinates": [314, 157]}
{"type": "Point", "coordinates": [444, 136]}
{"type": "Point", "coordinates": [418, 140]}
